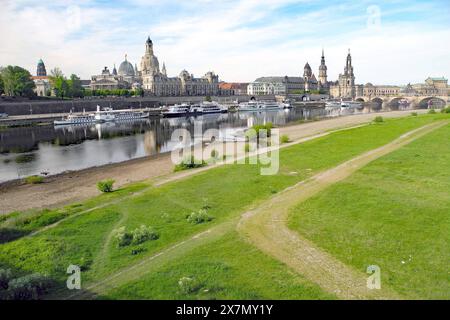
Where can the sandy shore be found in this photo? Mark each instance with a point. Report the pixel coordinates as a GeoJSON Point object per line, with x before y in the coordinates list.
{"type": "Point", "coordinates": [75, 186]}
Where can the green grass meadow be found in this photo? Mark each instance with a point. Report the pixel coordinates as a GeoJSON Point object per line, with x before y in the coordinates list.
{"type": "Point", "coordinates": [394, 213]}
{"type": "Point", "coordinates": [229, 268]}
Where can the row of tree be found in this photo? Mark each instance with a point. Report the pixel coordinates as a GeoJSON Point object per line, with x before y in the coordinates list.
{"type": "Point", "coordinates": [63, 87]}
{"type": "Point", "coordinates": [114, 92]}
{"type": "Point", "coordinates": [16, 81]}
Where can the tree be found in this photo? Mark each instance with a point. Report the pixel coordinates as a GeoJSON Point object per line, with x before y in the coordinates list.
{"type": "Point", "coordinates": [17, 82]}
{"type": "Point", "coordinates": [1, 82]}
{"type": "Point", "coordinates": [75, 87]}
{"type": "Point", "coordinates": [58, 82]}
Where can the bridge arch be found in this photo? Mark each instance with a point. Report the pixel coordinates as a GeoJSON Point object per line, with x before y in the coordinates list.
{"type": "Point", "coordinates": [398, 103]}
{"type": "Point", "coordinates": [360, 99]}
{"type": "Point", "coordinates": [432, 103]}
{"type": "Point", "coordinates": [377, 103]}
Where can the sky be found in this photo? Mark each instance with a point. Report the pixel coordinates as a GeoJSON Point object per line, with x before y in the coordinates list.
{"type": "Point", "coordinates": [391, 42]}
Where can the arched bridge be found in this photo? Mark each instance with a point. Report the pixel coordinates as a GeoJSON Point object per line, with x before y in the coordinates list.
{"type": "Point", "coordinates": [405, 102]}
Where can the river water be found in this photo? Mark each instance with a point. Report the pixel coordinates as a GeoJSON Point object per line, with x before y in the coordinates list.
{"type": "Point", "coordinates": [47, 149]}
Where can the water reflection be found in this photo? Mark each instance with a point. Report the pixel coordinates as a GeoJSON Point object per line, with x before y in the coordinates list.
{"type": "Point", "coordinates": [33, 150]}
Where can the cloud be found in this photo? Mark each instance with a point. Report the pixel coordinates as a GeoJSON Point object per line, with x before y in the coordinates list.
{"type": "Point", "coordinates": [239, 39]}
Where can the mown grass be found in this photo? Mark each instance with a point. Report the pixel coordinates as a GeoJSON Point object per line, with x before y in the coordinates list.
{"type": "Point", "coordinates": [228, 268]}
{"type": "Point", "coordinates": [225, 191]}
{"type": "Point", "coordinates": [393, 213]}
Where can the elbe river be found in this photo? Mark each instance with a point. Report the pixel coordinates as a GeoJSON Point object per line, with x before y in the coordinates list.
{"type": "Point", "coordinates": [26, 151]}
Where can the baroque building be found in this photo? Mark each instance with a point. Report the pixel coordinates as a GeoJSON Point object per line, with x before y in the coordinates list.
{"type": "Point", "coordinates": [155, 81]}
{"type": "Point", "coordinates": [289, 85]}
{"type": "Point", "coordinates": [345, 86]}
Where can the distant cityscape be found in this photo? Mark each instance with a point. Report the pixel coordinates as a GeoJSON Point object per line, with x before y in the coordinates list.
{"type": "Point", "coordinates": [154, 81]}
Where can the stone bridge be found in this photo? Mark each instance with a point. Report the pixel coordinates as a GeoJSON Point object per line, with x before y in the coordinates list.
{"type": "Point", "coordinates": [397, 102]}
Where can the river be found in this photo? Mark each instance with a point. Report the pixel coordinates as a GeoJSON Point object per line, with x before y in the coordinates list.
{"type": "Point", "coordinates": [48, 149]}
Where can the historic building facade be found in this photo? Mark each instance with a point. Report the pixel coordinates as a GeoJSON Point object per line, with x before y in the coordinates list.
{"type": "Point", "coordinates": [289, 85]}
{"type": "Point", "coordinates": [41, 80]}
{"type": "Point", "coordinates": [345, 86]}
{"type": "Point", "coordinates": [155, 81]}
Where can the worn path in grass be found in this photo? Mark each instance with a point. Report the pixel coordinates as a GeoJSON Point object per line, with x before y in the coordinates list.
{"type": "Point", "coordinates": [265, 227]}
{"type": "Point", "coordinates": [285, 200]}
{"type": "Point", "coordinates": [80, 185]}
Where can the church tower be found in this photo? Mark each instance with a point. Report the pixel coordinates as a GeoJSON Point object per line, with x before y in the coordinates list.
{"type": "Point", "coordinates": [347, 80]}
{"type": "Point", "coordinates": [307, 75]}
{"type": "Point", "coordinates": [323, 72]}
{"type": "Point", "coordinates": [41, 71]}
{"type": "Point", "coordinates": [163, 70]}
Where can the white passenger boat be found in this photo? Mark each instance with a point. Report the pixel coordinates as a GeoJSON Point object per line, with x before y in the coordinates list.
{"type": "Point", "coordinates": [177, 110]}
{"type": "Point", "coordinates": [209, 107]}
{"type": "Point", "coordinates": [76, 119]}
{"type": "Point", "coordinates": [254, 105]}
{"type": "Point", "coordinates": [351, 105]}
{"type": "Point", "coordinates": [105, 115]}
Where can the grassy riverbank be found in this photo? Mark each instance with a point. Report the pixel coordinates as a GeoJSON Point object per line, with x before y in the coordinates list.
{"type": "Point", "coordinates": [225, 192]}
{"type": "Point", "coordinates": [393, 213]}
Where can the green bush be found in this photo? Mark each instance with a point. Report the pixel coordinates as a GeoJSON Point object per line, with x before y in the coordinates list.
{"type": "Point", "coordinates": [446, 110]}
{"type": "Point", "coordinates": [284, 138]}
{"type": "Point", "coordinates": [34, 180]}
{"type": "Point", "coordinates": [431, 111]}
{"type": "Point", "coordinates": [378, 119]}
{"type": "Point", "coordinates": [189, 163]}
{"type": "Point", "coordinates": [414, 114]}
{"type": "Point", "coordinates": [29, 287]}
{"type": "Point", "coordinates": [254, 131]}
{"type": "Point", "coordinates": [188, 285]}
{"type": "Point", "coordinates": [105, 185]}
{"type": "Point", "coordinates": [5, 278]}
{"type": "Point", "coordinates": [198, 217]}
{"type": "Point", "coordinates": [137, 236]}
{"type": "Point", "coordinates": [123, 238]}
{"type": "Point", "coordinates": [144, 233]}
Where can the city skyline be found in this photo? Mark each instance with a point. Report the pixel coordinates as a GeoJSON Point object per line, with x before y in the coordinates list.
{"type": "Point", "coordinates": [239, 40]}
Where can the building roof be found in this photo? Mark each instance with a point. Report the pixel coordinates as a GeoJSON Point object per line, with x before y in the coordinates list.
{"type": "Point", "coordinates": [437, 78]}
{"type": "Point", "coordinates": [280, 79]}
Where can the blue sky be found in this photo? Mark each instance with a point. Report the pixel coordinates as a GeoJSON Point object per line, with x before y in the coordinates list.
{"type": "Point", "coordinates": [392, 42]}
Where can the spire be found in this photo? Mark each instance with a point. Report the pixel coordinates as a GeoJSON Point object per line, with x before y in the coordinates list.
{"type": "Point", "coordinates": [323, 54]}
{"type": "Point", "coordinates": [163, 70]}
{"type": "Point", "coordinates": [126, 56]}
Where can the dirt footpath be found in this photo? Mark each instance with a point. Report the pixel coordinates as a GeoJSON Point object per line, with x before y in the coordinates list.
{"type": "Point", "coordinates": [75, 186]}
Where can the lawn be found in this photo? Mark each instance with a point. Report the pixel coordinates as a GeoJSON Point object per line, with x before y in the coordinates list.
{"type": "Point", "coordinates": [225, 192]}
{"type": "Point", "coordinates": [394, 213]}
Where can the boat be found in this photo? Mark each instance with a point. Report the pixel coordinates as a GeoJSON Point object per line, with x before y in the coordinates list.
{"type": "Point", "coordinates": [350, 104]}
{"type": "Point", "coordinates": [100, 116]}
{"type": "Point", "coordinates": [76, 119]}
{"type": "Point", "coordinates": [104, 115]}
{"type": "Point", "coordinates": [254, 105]}
{"type": "Point", "coordinates": [332, 105]}
{"type": "Point", "coordinates": [177, 110]}
{"type": "Point", "coordinates": [209, 107]}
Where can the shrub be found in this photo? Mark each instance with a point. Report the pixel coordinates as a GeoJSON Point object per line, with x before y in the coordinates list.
{"type": "Point", "coordinates": [431, 111]}
{"type": "Point", "coordinates": [189, 163]}
{"type": "Point", "coordinates": [122, 237]}
{"type": "Point", "coordinates": [5, 278]}
{"type": "Point", "coordinates": [29, 287]}
{"type": "Point", "coordinates": [188, 285]}
{"type": "Point", "coordinates": [284, 138]}
{"type": "Point", "coordinates": [446, 110]}
{"type": "Point", "coordinates": [34, 180]}
{"type": "Point", "coordinates": [144, 233]}
{"type": "Point", "coordinates": [137, 236]}
{"type": "Point", "coordinates": [105, 185]}
{"type": "Point", "coordinates": [414, 114]}
{"type": "Point", "coordinates": [378, 119]}
{"type": "Point", "coordinates": [199, 217]}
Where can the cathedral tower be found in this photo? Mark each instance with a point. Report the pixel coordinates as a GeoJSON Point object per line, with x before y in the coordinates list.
{"type": "Point", "coordinates": [41, 71]}
{"type": "Point", "coordinates": [323, 72]}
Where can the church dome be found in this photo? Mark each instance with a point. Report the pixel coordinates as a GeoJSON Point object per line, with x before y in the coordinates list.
{"type": "Point", "coordinates": [126, 68]}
